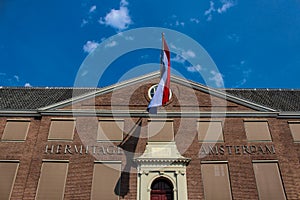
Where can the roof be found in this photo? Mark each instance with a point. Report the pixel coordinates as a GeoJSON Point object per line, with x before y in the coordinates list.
{"type": "Point", "coordinates": [30, 98]}
{"type": "Point", "coordinates": [279, 99]}
{"type": "Point", "coordinates": [25, 98]}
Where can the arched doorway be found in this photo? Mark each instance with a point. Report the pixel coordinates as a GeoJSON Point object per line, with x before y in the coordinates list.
{"type": "Point", "coordinates": [161, 189]}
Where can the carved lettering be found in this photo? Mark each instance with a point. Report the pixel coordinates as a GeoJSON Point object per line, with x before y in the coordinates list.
{"type": "Point", "coordinates": [253, 149]}
{"type": "Point", "coordinates": [102, 150]}
{"type": "Point", "coordinates": [58, 148]}
{"type": "Point", "coordinates": [246, 149]}
{"type": "Point", "coordinates": [211, 150]}
{"type": "Point", "coordinates": [260, 150]}
{"type": "Point", "coordinates": [237, 149]}
{"type": "Point", "coordinates": [76, 149]}
{"type": "Point", "coordinates": [203, 150]}
{"type": "Point", "coordinates": [51, 149]}
{"type": "Point", "coordinates": [229, 149]}
{"type": "Point", "coordinates": [270, 150]}
{"type": "Point", "coordinates": [68, 149]}
{"type": "Point", "coordinates": [221, 149]}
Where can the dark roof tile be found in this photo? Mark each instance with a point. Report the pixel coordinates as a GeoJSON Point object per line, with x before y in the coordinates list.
{"type": "Point", "coordinates": [278, 99]}
{"type": "Point", "coordinates": [35, 98]}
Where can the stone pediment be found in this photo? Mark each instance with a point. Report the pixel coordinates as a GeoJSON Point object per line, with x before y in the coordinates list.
{"type": "Point", "coordinates": [161, 153]}
{"type": "Point", "coordinates": [133, 96]}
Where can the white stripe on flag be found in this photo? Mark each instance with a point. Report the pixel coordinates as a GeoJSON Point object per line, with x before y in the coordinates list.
{"type": "Point", "coordinates": [158, 95]}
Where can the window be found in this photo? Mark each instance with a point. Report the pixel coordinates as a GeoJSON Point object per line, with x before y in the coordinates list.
{"type": "Point", "coordinates": [61, 129]}
{"type": "Point", "coordinates": [106, 188]}
{"type": "Point", "coordinates": [160, 130]}
{"type": "Point", "coordinates": [268, 180]}
{"type": "Point", "coordinates": [210, 131]}
{"type": "Point", "coordinates": [8, 171]}
{"type": "Point", "coordinates": [295, 130]}
{"type": "Point", "coordinates": [153, 89]}
{"type": "Point", "coordinates": [257, 130]}
{"type": "Point", "coordinates": [110, 130]}
{"type": "Point", "coordinates": [216, 181]}
{"type": "Point", "coordinates": [52, 180]}
{"type": "Point", "coordinates": [16, 130]}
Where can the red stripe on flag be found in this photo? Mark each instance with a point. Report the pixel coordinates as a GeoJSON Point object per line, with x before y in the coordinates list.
{"type": "Point", "coordinates": [166, 91]}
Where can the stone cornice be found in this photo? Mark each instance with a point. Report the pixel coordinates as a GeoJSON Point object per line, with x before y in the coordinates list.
{"type": "Point", "coordinates": [162, 161]}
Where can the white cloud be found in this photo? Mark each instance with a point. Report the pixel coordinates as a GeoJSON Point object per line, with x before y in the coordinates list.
{"type": "Point", "coordinates": [178, 59]}
{"type": "Point", "coordinates": [209, 11]}
{"type": "Point", "coordinates": [196, 68]}
{"type": "Point", "coordinates": [188, 54]}
{"type": "Point", "coordinates": [240, 83]}
{"type": "Point", "coordinates": [234, 37]}
{"type": "Point", "coordinates": [90, 46]}
{"type": "Point", "coordinates": [217, 78]}
{"type": "Point", "coordinates": [17, 78]}
{"type": "Point", "coordinates": [129, 38]}
{"type": "Point", "coordinates": [118, 19]}
{"type": "Point", "coordinates": [183, 54]}
{"type": "Point", "coordinates": [226, 5]}
{"type": "Point", "coordinates": [111, 44]}
{"type": "Point", "coordinates": [197, 21]}
{"type": "Point", "coordinates": [179, 23]}
{"type": "Point", "coordinates": [84, 22]}
{"type": "Point", "coordinates": [125, 37]}
{"type": "Point", "coordinates": [27, 85]}
{"type": "Point", "coordinates": [246, 74]}
{"type": "Point", "coordinates": [89, 17]}
{"type": "Point", "coordinates": [124, 3]}
{"type": "Point", "coordinates": [93, 8]}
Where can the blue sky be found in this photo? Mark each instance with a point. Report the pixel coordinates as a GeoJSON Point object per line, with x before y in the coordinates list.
{"type": "Point", "coordinates": [254, 44]}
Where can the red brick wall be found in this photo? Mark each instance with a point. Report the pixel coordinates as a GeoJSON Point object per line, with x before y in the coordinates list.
{"type": "Point", "coordinates": [80, 173]}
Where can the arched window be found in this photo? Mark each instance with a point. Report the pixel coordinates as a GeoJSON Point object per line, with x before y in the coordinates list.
{"type": "Point", "coordinates": [161, 189]}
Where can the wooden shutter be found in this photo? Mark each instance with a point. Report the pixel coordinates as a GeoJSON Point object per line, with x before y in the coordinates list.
{"type": "Point", "coordinates": [216, 181]}
{"type": "Point", "coordinates": [106, 181]}
{"type": "Point", "coordinates": [110, 130]}
{"type": "Point", "coordinates": [257, 131]}
{"type": "Point", "coordinates": [61, 129]}
{"type": "Point", "coordinates": [210, 131]}
{"type": "Point", "coordinates": [15, 130]}
{"type": "Point", "coordinates": [8, 171]}
{"type": "Point", "coordinates": [52, 180]}
{"type": "Point", "coordinates": [268, 180]}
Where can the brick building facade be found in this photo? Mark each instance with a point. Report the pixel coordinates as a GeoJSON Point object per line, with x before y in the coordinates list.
{"type": "Point", "coordinates": [80, 143]}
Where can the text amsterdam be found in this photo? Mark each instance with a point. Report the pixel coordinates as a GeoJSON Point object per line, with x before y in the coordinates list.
{"type": "Point", "coordinates": [237, 149]}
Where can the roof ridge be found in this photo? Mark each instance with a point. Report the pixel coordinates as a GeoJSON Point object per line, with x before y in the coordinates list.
{"type": "Point", "coordinates": [21, 87]}
{"type": "Point", "coordinates": [263, 89]}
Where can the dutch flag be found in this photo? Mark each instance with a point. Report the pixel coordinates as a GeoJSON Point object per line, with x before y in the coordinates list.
{"type": "Point", "coordinates": [161, 95]}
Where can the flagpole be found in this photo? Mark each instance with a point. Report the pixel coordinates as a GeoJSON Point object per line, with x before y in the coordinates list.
{"type": "Point", "coordinates": [161, 56]}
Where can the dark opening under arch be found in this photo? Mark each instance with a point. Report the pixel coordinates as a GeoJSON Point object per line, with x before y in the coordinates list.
{"type": "Point", "coordinates": [162, 189]}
